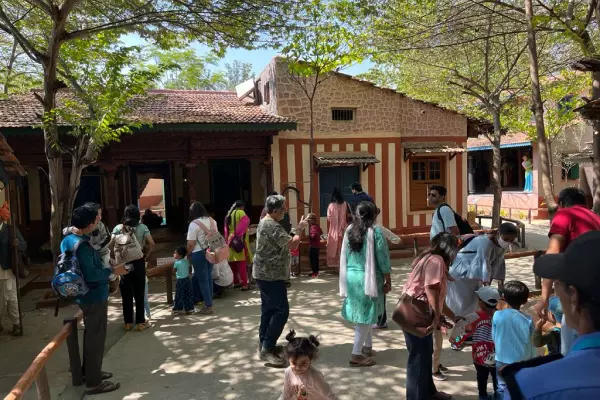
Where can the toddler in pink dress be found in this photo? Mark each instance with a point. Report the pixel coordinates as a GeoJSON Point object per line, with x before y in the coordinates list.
{"type": "Point", "coordinates": [302, 381]}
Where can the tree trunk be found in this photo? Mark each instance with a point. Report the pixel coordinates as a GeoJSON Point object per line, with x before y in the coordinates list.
{"type": "Point", "coordinates": [538, 108]}
{"type": "Point", "coordinates": [496, 165]}
{"type": "Point", "coordinates": [311, 152]}
{"type": "Point", "coordinates": [596, 145]}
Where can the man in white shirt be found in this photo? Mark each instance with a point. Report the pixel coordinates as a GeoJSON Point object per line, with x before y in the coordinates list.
{"type": "Point", "coordinates": [447, 222]}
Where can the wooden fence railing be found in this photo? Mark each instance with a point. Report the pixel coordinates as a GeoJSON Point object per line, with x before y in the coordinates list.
{"type": "Point", "coordinates": [37, 370]}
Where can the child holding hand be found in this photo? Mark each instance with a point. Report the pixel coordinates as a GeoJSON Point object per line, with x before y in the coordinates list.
{"type": "Point", "coordinates": [301, 380]}
{"type": "Point", "coordinates": [183, 287]}
{"type": "Point", "coordinates": [483, 350]}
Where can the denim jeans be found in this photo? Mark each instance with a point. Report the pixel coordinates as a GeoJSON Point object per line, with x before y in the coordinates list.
{"type": "Point", "coordinates": [274, 311]}
{"type": "Point", "coordinates": [202, 282]}
{"type": "Point", "coordinates": [419, 382]}
{"type": "Point", "coordinates": [501, 383]}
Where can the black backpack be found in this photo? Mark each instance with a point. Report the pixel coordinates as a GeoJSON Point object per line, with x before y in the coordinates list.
{"type": "Point", "coordinates": [462, 224]}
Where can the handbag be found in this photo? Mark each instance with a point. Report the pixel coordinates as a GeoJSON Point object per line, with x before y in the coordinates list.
{"type": "Point", "coordinates": [237, 243]}
{"type": "Point", "coordinates": [127, 247]}
{"type": "Point", "coordinates": [217, 249]}
{"type": "Point", "coordinates": [414, 316]}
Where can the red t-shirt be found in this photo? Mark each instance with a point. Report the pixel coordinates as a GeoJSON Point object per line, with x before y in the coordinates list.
{"type": "Point", "coordinates": [314, 236]}
{"type": "Point", "coordinates": [573, 222]}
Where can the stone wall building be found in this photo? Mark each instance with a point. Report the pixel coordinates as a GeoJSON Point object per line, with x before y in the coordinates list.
{"type": "Point", "coordinates": [395, 146]}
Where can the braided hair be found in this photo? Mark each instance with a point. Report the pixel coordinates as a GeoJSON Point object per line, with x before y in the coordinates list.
{"type": "Point", "coordinates": [234, 206]}
{"type": "Point", "coordinates": [366, 212]}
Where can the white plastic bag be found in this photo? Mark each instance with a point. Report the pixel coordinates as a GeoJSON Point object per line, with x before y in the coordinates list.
{"type": "Point", "coordinates": [222, 274]}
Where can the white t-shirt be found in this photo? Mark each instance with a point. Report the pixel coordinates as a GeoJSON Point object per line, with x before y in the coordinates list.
{"type": "Point", "coordinates": [436, 224]}
{"type": "Point", "coordinates": [196, 233]}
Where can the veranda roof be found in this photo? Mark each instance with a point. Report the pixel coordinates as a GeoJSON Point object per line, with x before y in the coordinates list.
{"type": "Point", "coordinates": [344, 158]}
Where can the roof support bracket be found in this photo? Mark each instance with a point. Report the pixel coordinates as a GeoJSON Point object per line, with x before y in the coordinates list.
{"type": "Point", "coordinates": [407, 154]}
{"type": "Point", "coordinates": [452, 155]}
{"type": "Point", "coordinates": [365, 166]}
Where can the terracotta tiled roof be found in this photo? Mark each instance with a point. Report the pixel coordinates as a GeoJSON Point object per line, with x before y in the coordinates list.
{"type": "Point", "coordinates": [160, 107]}
{"type": "Point", "coordinates": [510, 140]}
{"type": "Point", "coordinates": [345, 157]}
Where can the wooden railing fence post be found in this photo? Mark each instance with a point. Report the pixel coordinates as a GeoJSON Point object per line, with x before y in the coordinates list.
{"type": "Point", "coordinates": [169, 281]}
{"type": "Point", "coordinates": [73, 349]}
{"type": "Point", "coordinates": [538, 280]}
{"type": "Point", "coordinates": [42, 386]}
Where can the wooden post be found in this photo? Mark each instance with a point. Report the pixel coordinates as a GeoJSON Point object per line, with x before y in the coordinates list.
{"type": "Point", "coordinates": [42, 386]}
{"type": "Point", "coordinates": [15, 253]}
{"type": "Point", "coordinates": [538, 280]}
{"type": "Point", "coordinates": [169, 282]}
{"type": "Point", "coordinates": [415, 247]}
{"type": "Point", "coordinates": [110, 196]}
{"type": "Point", "coordinates": [73, 350]}
{"type": "Point", "coordinates": [529, 215]}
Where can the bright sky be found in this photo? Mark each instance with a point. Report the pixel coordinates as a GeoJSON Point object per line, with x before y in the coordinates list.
{"type": "Point", "coordinates": [258, 58]}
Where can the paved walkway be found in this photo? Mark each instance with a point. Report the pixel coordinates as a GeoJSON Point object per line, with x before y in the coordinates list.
{"type": "Point", "coordinates": [214, 357]}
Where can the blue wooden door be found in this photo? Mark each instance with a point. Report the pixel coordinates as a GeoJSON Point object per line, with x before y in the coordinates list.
{"type": "Point", "coordinates": [340, 177]}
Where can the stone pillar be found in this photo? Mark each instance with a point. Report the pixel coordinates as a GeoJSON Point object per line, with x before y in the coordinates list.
{"type": "Point", "coordinates": [110, 197]}
{"type": "Point", "coordinates": [471, 174]}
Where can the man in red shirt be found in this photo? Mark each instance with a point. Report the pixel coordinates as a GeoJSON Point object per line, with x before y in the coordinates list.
{"type": "Point", "coordinates": [573, 219]}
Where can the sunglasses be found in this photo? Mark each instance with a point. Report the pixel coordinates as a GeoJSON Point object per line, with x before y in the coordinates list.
{"type": "Point", "coordinates": [432, 195]}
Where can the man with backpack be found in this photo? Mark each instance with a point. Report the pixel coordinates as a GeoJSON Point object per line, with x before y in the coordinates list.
{"type": "Point", "coordinates": [94, 303]}
{"type": "Point", "coordinates": [445, 219]}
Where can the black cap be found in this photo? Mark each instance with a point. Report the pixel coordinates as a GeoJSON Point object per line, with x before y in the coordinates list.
{"type": "Point", "coordinates": [578, 266]}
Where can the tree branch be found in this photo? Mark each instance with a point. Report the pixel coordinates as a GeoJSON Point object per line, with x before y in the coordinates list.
{"type": "Point", "coordinates": [41, 5]}
{"type": "Point", "coordinates": [27, 47]}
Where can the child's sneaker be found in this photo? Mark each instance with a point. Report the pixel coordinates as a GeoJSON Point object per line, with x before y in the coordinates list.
{"type": "Point", "coordinates": [439, 376]}
{"type": "Point", "coordinates": [294, 275]}
{"type": "Point", "coordinates": [314, 275]}
{"type": "Point", "coordinates": [175, 312]}
{"type": "Point", "coordinates": [188, 312]}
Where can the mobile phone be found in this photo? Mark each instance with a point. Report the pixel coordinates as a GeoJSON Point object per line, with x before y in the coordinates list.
{"type": "Point", "coordinates": [128, 267]}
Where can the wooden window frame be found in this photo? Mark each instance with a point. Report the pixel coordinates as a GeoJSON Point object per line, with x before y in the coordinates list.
{"type": "Point", "coordinates": [342, 112]}
{"type": "Point", "coordinates": [413, 183]}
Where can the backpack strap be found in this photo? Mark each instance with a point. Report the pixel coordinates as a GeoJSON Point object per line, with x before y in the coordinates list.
{"type": "Point", "coordinates": [439, 213]}
{"type": "Point", "coordinates": [76, 245]}
{"type": "Point", "coordinates": [201, 225]}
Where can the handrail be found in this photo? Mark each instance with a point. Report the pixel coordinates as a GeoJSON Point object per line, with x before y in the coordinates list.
{"type": "Point", "coordinates": [37, 370]}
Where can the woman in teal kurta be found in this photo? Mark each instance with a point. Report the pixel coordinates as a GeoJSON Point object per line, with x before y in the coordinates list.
{"type": "Point", "coordinates": [364, 279]}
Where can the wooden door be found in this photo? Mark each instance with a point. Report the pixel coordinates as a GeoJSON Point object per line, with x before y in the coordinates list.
{"type": "Point", "coordinates": [425, 172]}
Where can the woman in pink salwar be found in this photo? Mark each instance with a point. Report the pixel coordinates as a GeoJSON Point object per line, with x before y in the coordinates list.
{"type": "Point", "coordinates": [338, 214]}
{"type": "Point", "coordinates": [236, 232]}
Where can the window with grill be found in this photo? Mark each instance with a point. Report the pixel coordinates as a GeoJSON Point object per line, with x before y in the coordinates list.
{"type": "Point", "coordinates": [342, 114]}
{"type": "Point", "coordinates": [424, 172]}
{"type": "Point", "coordinates": [569, 171]}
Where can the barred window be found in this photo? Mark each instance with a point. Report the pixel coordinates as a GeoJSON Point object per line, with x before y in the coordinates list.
{"type": "Point", "coordinates": [342, 114]}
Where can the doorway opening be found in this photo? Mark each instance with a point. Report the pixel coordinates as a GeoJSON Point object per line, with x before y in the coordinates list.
{"type": "Point", "coordinates": [230, 181]}
{"type": "Point", "coordinates": [152, 202]}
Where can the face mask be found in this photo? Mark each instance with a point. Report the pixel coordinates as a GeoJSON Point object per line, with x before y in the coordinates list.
{"type": "Point", "coordinates": [502, 243]}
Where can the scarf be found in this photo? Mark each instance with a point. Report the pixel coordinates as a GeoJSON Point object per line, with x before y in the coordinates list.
{"type": "Point", "coordinates": [370, 276]}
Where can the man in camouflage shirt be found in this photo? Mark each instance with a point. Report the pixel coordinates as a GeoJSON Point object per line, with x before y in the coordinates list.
{"type": "Point", "coordinates": [270, 269]}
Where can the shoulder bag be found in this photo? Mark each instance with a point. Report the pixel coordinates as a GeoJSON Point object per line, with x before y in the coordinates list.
{"type": "Point", "coordinates": [414, 315]}
{"type": "Point", "coordinates": [237, 243]}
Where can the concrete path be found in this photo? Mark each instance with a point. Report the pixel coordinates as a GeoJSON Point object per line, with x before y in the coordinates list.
{"type": "Point", "coordinates": [214, 357]}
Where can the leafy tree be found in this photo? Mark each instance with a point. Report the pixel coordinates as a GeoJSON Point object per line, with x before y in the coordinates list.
{"type": "Point", "coordinates": [44, 29]}
{"type": "Point", "coordinates": [459, 54]}
{"type": "Point", "coordinates": [323, 44]}
{"type": "Point", "coordinates": [17, 73]}
{"type": "Point", "coordinates": [192, 72]}
{"type": "Point", "coordinates": [236, 73]}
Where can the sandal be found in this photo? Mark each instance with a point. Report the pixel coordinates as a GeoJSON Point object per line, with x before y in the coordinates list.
{"type": "Point", "coordinates": [142, 327]}
{"type": "Point", "coordinates": [368, 351]}
{"type": "Point", "coordinates": [207, 311]}
{"type": "Point", "coordinates": [245, 288]}
{"type": "Point", "coordinates": [363, 362]}
{"type": "Point", "coordinates": [128, 327]}
{"type": "Point", "coordinates": [104, 387]}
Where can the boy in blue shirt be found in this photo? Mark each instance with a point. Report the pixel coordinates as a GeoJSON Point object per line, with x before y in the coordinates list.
{"type": "Point", "coordinates": [512, 330]}
{"type": "Point", "coordinates": [94, 304]}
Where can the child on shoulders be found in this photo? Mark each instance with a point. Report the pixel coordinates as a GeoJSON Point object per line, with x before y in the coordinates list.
{"type": "Point", "coordinates": [512, 330]}
{"type": "Point", "coordinates": [301, 380]}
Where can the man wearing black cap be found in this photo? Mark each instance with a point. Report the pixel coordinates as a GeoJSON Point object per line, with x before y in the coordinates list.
{"type": "Point", "coordinates": [576, 273]}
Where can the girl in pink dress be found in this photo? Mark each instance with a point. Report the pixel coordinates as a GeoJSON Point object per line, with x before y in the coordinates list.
{"type": "Point", "coordinates": [302, 381]}
{"type": "Point", "coordinates": [338, 214]}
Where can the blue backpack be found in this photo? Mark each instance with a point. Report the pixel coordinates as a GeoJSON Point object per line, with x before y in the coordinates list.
{"type": "Point", "coordinates": [68, 281]}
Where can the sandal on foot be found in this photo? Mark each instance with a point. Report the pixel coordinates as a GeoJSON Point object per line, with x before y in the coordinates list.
{"type": "Point", "coordinates": [104, 387]}
{"type": "Point", "coordinates": [363, 362]}
{"type": "Point", "coordinates": [142, 327]}
{"type": "Point", "coordinates": [368, 351]}
{"type": "Point", "coordinates": [245, 288]}
{"type": "Point", "coordinates": [128, 327]}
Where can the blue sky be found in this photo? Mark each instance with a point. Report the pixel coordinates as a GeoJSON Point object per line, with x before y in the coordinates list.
{"type": "Point", "coordinates": [258, 58]}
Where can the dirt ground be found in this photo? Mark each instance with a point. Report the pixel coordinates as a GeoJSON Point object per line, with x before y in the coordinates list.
{"type": "Point", "coordinates": [214, 357]}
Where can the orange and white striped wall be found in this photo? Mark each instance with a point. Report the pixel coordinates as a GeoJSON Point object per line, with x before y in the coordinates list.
{"type": "Point", "coordinates": [387, 181]}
